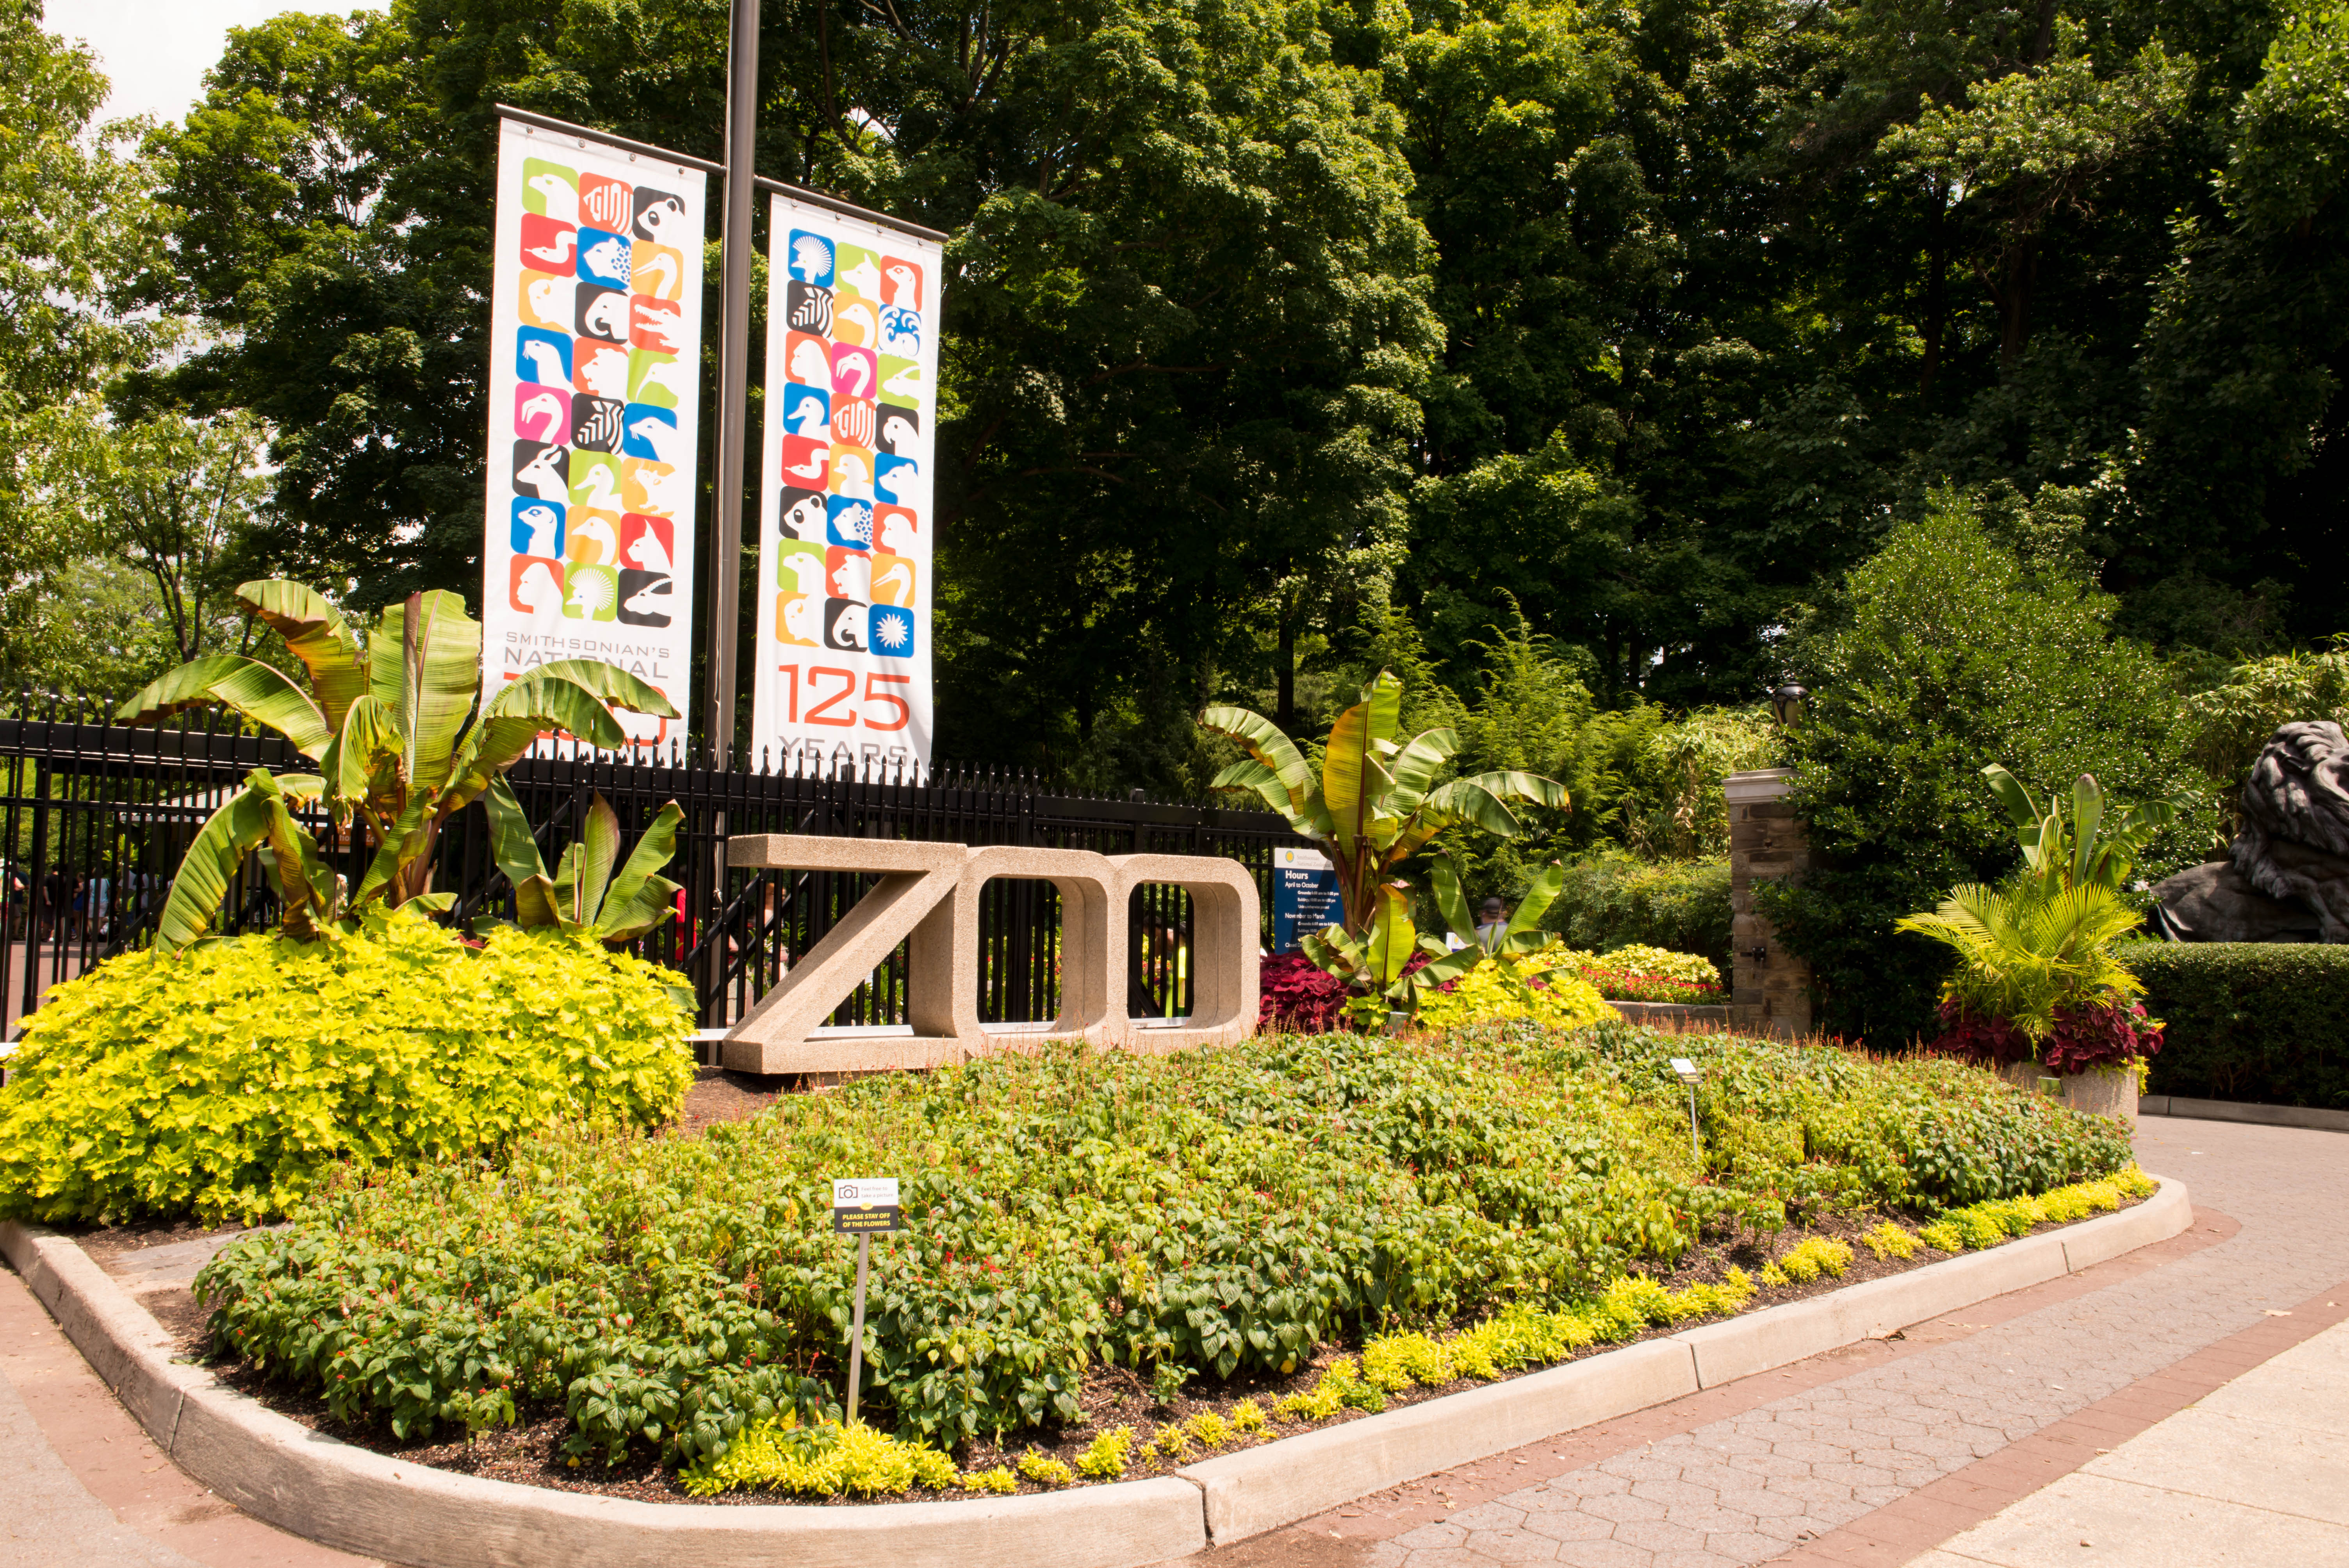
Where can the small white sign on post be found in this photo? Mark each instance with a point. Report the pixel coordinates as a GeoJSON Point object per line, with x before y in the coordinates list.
{"type": "Point", "coordinates": [862, 1206]}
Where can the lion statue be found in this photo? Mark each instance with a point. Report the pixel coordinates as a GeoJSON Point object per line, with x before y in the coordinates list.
{"type": "Point", "coordinates": [2286, 878]}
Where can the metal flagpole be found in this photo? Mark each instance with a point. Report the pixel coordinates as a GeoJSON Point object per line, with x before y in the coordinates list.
{"type": "Point", "coordinates": [734, 354]}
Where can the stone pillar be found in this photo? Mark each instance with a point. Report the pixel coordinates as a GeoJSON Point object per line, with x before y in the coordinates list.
{"type": "Point", "coordinates": [1770, 988]}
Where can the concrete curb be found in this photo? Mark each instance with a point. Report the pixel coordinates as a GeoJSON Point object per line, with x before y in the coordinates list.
{"type": "Point", "coordinates": [280, 1472]}
{"type": "Point", "coordinates": [2244, 1110]}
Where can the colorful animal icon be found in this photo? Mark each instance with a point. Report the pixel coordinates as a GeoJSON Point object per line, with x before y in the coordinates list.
{"type": "Point", "coordinates": [645, 599]}
{"type": "Point", "coordinates": [536, 588]}
{"type": "Point", "coordinates": [798, 620]}
{"type": "Point", "coordinates": [901, 430]}
{"type": "Point", "coordinates": [537, 527]}
{"type": "Point", "coordinates": [862, 274]}
{"type": "Point", "coordinates": [905, 383]}
{"type": "Point", "coordinates": [857, 322]}
{"type": "Point", "coordinates": [807, 411]}
{"type": "Point", "coordinates": [810, 258]}
{"type": "Point", "coordinates": [549, 302]}
{"type": "Point", "coordinates": [895, 478]}
{"type": "Point", "coordinates": [656, 324]}
{"type": "Point", "coordinates": [548, 246]}
{"type": "Point", "coordinates": [604, 258]}
{"type": "Point", "coordinates": [647, 546]}
{"type": "Point", "coordinates": [852, 472]}
{"type": "Point", "coordinates": [806, 464]}
{"type": "Point", "coordinates": [901, 332]}
{"type": "Point", "coordinates": [550, 191]}
{"type": "Point", "coordinates": [661, 218]}
{"type": "Point", "coordinates": [657, 487]}
{"type": "Point", "coordinates": [893, 581]}
{"type": "Point", "coordinates": [594, 540]}
{"type": "Point", "coordinates": [543, 470]}
{"type": "Point", "coordinates": [899, 531]}
{"type": "Point", "coordinates": [652, 432]}
{"type": "Point", "coordinates": [798, 570]}
{"type": "Point", "coordinates": [844, 625]}
{"type": "Point", "coordinates": [603, 370]}
{"type": "Point", "coordinates": [658, 271]}
{"type": "Point", "coordinates": [852, 370]}
{"type": "Point", "coordinates": [890, 630]}
{"type": "Point", "coordinates": [591, 593]}
{"type": "Point", "coordinates": [541, 413]}
{"type": "Point", "coordinates": [542, 356]}
{"type": "Point", "coordinates": [604, 313]}
{"type": "Point", "coordinates": [802, 515]}
{"type": "Point", "coordinates": [901, 283]}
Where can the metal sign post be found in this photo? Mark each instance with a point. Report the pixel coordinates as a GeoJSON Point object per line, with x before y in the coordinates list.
{"type": "Point", "coordinates": [864, 1206]}
{"type": "Point", "coordinates": [733, 379]}
{"type": "Point", "coordinates": [1689, 1073]}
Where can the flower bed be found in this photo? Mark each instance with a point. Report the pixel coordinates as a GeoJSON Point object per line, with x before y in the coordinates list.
{"type": "Point", "coordinates": [1221, 1220]}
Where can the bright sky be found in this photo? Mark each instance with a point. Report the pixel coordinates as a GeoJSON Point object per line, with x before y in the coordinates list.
{"type": "Point", "coordinates": [157, 51]}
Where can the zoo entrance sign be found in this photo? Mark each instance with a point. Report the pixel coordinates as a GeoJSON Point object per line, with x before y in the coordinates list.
{"type": "Point", "coordinates": [927, 896]}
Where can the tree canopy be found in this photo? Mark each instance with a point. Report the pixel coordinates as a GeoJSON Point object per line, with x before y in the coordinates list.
{"type": "Point", "coordinates": [1272, 325]}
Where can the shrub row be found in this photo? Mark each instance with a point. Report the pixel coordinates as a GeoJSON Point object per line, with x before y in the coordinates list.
{"type": "Point", "coordinates": [1224, 1211]}
{"type": "Point", "coordinates": [1616, 901]}
{"type": "Point", "coordinates": [226, 1080]}
{"type": "Point", "coordinates": [2260, 1021]}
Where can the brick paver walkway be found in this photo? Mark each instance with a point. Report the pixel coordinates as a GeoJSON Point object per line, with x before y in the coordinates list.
{"type": "Point", "coordinates": [1937, 1433]}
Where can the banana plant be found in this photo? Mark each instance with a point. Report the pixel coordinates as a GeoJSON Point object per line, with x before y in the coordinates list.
{"type": "Point", "coordinates": [582, 895]}
{"type": "Point", "coordinates": [385, 719]}
{"type": "Point", "coordinates": [2082, 851]}
{"type": "Point", "coordinates": [1376, 803]}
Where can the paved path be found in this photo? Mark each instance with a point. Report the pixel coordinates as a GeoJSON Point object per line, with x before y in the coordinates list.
{"type": "Point", "coordinates": [1879, 1452]}
{"type": "Point", "coordinates": [1874, 1454]}
{"type": "Point", "coordinates": [83, 1486]}
{"type": "Point", "coordinates": [2250, 1475]}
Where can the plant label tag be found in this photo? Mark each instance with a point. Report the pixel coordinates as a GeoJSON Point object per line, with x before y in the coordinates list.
{"type": "Point", "coordinates": [865, 1205]}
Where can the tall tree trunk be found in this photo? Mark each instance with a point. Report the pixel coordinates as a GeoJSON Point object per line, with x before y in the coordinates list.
{"type": "Point", "coordinates": [1937, 290]}
{"type": "Point", "coordinates": [2014, 301]}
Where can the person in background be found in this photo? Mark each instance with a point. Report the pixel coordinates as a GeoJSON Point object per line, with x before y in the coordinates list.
{"type": "Point", "coordinates": [1492, 920]}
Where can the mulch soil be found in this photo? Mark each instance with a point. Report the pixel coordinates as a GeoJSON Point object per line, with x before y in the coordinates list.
{"type": "Point", "coordinates": [530, 1452]}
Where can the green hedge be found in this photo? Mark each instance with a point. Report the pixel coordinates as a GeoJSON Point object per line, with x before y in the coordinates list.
{"type": "Point", "coordinates": [1615, 901]}
{"type": "Point", "coordinates": [2260, 1021]}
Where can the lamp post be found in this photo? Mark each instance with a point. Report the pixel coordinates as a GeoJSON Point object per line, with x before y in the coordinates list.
{"type": "Point", "coordinates": [1786, 705]}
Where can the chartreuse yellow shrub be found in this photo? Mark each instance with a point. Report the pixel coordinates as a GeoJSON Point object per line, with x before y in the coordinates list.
{"type": "Point", "coordinates": [1106, 1456]}
{"type": "Point", "coordinates": [999, 1480]}
{"type": "Point", "coordinates": [829, 1460]}
{"type": "Point", "coordinates": [1045, 1472]}
{"type": "Point", "coordinates": [226, 1081]}
{"type": "Point", "coordinates": [1519, 1335]}
{"type": "Point", "coordinates": [1805, 1263]}
{"type": "Point", "coordinates": [1662, 962]}
{"type": "Point", "coordinates": [1987, 1224]}
{"type": "Point", "coordinates": [1516, 986]}
{"type": "Point", "coordinates": [1210, 1430]}
{"type": "Point", "coordinates": [1890, 1240]}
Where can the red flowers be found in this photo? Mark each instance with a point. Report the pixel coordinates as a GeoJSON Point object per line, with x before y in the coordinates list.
{"type": "Point", "coordinates": [2103, 1034]}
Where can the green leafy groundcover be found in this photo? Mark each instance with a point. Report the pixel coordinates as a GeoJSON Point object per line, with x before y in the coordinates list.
{"type": "Point", "coordinates": [226, 1081]}
{"type": "Point", "coordinates": [1223, 1211]}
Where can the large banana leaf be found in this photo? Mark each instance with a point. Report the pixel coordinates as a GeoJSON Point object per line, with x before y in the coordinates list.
{"type": "Point", "coordinates": [1482, 799]}
{"type": "Point", "coordinates": [424, 664]}
{"type": "Point", "coordinates": [586, 868]}
{"type": "Point", "coordinates": [249, 818]}
{"type": "Point", "coordinates": [362, 765]}
{"type": "Point", "coordinates": [1392, 941]}
{"type": "Point", "coordinates": [1354, 780]}
{"type": "Point", "coordinates": [402, 842]}
{"type": "Point", "coordinates": [259, 692]}
{"type": "Point", "coordinates": [1414, 769]}
{"type": "Point", "coordinates": [639, 899]}
{"type": "Point", "coordinates": [316, 634]}
{"type": "Point", "coordinates": [1263, 741]}
{"type": "Point", "coordinates": [1450, 903]}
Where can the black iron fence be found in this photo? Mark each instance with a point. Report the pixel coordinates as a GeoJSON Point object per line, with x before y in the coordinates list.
{"type": "Point", "coordinates": [95, 817]}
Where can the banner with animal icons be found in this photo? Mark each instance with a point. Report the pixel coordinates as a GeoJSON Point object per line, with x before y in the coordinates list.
{"type": "Point", "coordinates": [594, 361]}
{"type": "Point", "coordinates": [845, 518]}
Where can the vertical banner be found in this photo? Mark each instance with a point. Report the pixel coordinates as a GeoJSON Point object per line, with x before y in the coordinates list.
{"type": "Point", "coordinates": [595, 382]}
{"type": "Point", "coordinates": [845, 523]}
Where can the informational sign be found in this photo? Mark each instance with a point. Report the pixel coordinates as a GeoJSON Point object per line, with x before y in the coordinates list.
{"type": "Point", "coordinates": [846, 526]}
{"type": "Point", "coordinates": [1305, 897]}
{"type": "Point", "coordinates": [865, 1205]}
{"type": "Point", "coordinates": [595, 360]}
